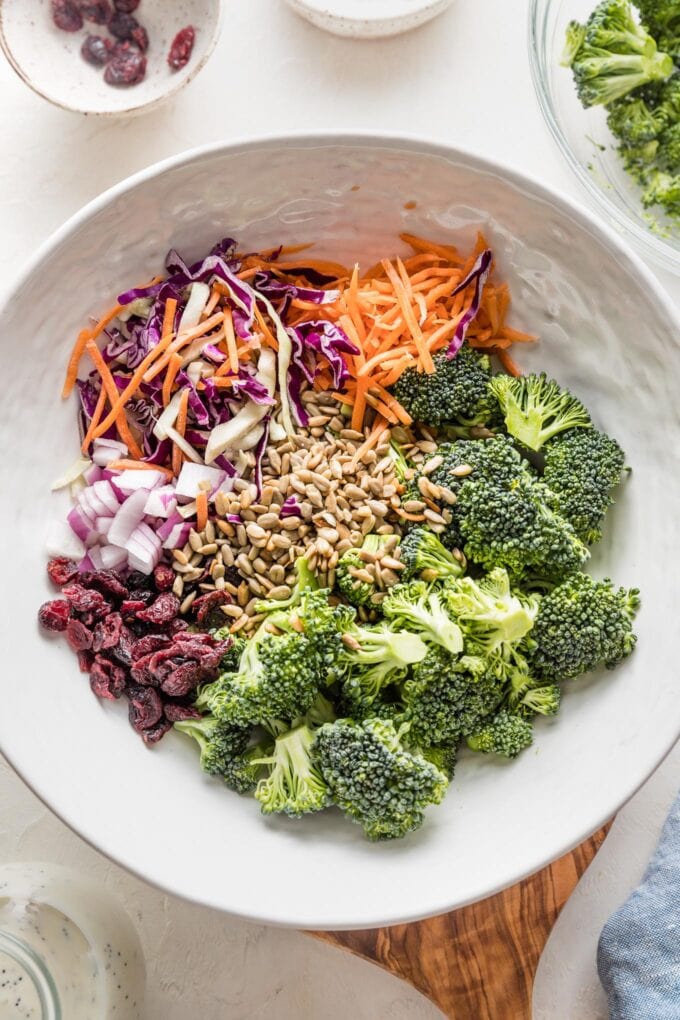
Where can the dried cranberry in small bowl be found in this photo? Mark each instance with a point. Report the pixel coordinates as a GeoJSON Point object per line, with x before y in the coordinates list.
{"type": "Point", "coordinates": [98, 11]}
{"type": "Point", "coordinates": [163, 577]}
{"type": "Point", "coordinates": [55, 615]}
{"type": "Point", "coordinates": [122, 25]}
{"type": "Point", "coordinates": [86, 600]}
{"type": "Point", "coordinates": [140, 38]}
{"type": "Point", "coordinates": [61, 570]}
{"type": "Point", "coordinates": [181, 48]}
{"type": "Point", "coordinates": [66, 15]}
{"type": "Point", "coordinates": [131, 607]}
{"type": "Point", "coordinates": [145, 708]}
{"type": "Point", "coordinates": [78, 635]}
{"type": "Point", "coordinates": [126, 67]}
{"type": "Point", "coordinates": [107, 680]}
{"type": "Point", "coordinates": [96, 50]}
{"type": "Point", "coordinates": [109, 582]}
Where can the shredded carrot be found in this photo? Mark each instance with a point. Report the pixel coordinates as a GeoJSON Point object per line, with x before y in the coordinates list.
{"type": "Point", "coordinates": [267, 334]}
{"type": "Point", "coordinates": [109, 385]}
{"type": "Point", "coordinates": [201, 510]}
{"type": "Point", "coordinates": [133, 385]}
{"type": "Point", "coordinates": [169, 316]}
{"type": "Point", "coordinates": [508, 363]}
{"type": "Point", "coordinates": [74, 361]}
{"type": "Point", "coordinates": [408, 517]}
{"type": "Point", "coordinates": [181, 426]}
{"type": "Point", "coordinates": [170, 376]}
{"type": "Point", "coordinates": [212, 304]}
{"type": "Point", "coordinates": [371, 440]}
{"type": "Point", "coordinates": [89, 435]}
{"type": "Point", "coordinates": [138, 465]}
{"type": "Point", "coordinates": [181, 341]}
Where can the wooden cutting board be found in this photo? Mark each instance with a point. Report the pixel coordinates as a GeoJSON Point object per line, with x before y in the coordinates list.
{"type": "Point", "coordinates": [478, 962]}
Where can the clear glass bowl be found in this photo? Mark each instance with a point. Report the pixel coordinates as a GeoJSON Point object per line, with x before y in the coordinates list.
{"type": "Point", "coordinates": [585, 140]}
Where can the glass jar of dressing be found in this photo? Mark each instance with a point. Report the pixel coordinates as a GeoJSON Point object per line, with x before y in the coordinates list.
{"type": "Point", "coordinates": [67, 949]}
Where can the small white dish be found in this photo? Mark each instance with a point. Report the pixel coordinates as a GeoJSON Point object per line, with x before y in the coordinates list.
{"type": "Point", "coordinates": [368, 19]}
{"type": "Point", "coordinates": [48, 59]}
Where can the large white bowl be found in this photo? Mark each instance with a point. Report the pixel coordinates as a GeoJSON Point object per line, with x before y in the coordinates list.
{"type": "Point", "coordinates": [607, 330]}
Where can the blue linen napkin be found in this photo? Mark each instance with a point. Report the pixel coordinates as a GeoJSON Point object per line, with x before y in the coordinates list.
{"type": "Point", "coordinates": [638, 956]}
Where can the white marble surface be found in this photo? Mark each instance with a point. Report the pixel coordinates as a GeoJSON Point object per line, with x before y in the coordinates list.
{"type": "Point", "coordinates": [464, 78]}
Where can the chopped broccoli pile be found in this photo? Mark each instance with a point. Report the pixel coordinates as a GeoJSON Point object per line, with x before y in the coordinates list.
{"type": "Point", "coordinates": [626, 57]}
{"type": "Point", "coordinates": [456, 392]}
{"type": "Point", "coordinates": [612, 54]}
{"type": "Point", "coordinates": [363, 697]}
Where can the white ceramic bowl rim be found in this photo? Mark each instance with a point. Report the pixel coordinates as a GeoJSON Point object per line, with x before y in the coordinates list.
{"type": "Point", "coordinates": [650, 757]}
{"type": "Point", "coordinates": [655, 247]}
{"type": "Point", "coordinates": [357, 10]}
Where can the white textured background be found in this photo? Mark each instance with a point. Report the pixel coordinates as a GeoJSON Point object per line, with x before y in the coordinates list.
{"type": "Point", "coordinates": [464, 79]}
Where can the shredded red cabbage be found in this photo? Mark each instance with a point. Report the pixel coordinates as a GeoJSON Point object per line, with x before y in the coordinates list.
{"type": "Point", "coordinates": [479, 275]}
{"type": "Point", "coordinates": [291, 508]}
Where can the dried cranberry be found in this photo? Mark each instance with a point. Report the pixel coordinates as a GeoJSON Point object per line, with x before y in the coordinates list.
{"type": "Point", "coordinates": [178, 625]}
{"type": "Point", "coordinates": [148, 644]}
{"type": "Point", "coordinates": [55, 615]}
{"type": "Point", "coordinates": [66, 15]}
{"type": "Point", "coordinates": [177, 713]}
{"type": "Point", "coordinates": [123, 650]}
{"type": "Point", "coordinates": [131, 607]}
{"type": "Point", "coordinates": [107, 632]}
{"type": "Point", "coordinates": [183, 679]}
{"type": "Point", "coordinates": [142, 595]}
{"type": "Point", "coordinates": [126, 6]}
{"type": "Point", "coordinates": [136, 580]}
{"type": "Point", "coordinates": [140, 38]}
{"type": "Point", "coordinates": [107, 680]}
{"type": "Point", "coordinates": [146, 707]}
{"type": "Point", "coordinates": [98, 11]}
{"type": "Point", "coordinates": [154, 733]}
{"type": "Point", "coordinates": [164, 609]}
{"type": "Point", "coordinates": [96, 50]}
{"type": "Point", "coordinates": [78, 635]}
{"type": "Point", "coordinates": [122, 25]}
{"type": "Point", "coordinates": [126, 67]}
{"type": "Point", "coordinates": [207, 608]}
{"type": "Point", "coordinates": [86, 600]}
{"type": "Point", "coordinates": [62, 570]}
{"type": "Point", "coordinates": [85, 660]}
{"type": "Point", "coordinates": [109, 582]}
{"type": "Point", "coordinates": [163, 577]}
{"type": "Point", "coordinates": [182, 48]}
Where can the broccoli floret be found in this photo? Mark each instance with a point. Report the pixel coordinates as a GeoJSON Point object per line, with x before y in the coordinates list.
{"type": "Point", "coordinates": [322, 624]}
{"type": "Point", "coordinates": [294, 785]}
{"type": "Point", "coordinates": [374, 779]}
{"type": "Point", "coordinates": [443, 758]}
{"type": "Point", "coordinates": [507, 735]}
{"type": "Point", "coordinates": [447, 697]}
{"type": "Point", "coordinates": [224, 751]}
{"type": "Point", "coordinates": [424, 556]}
{"type": "Point", "coordinates": [377, 656]}
{"type": "Point", "coordinates": [543, 700]}
{"type": "Point", "coordinates": [417, 607]}
{"type": "Point", "coordinates": [517, 527]}
{"type": "Point", "coordinates": [668, 154]}
{"type": "Point", "coordinates": [612, 54]}
{"type": "Point", "coordinates": [663, 189]}
{"type": "Point", "coordinates": [359, 590]}
{"type": "Point", "coordinates": [488, 612]}
{"type": "Point", "coordinates": [581, 624]}
{"type": "Point", "coordinates": [403, 468]}
{"type": "Point", "coordinates": [582, 467]}
{"type": "Point", "coordinates": [662, 20]}
{"type": "Point", "coordinates": [637, 127]}
{"type": "Point", "coordinates": [278, 677]}
{"type": "Point", "coordinates": [455, 392]}
{"type": "Point", "coordinates": [537, 408]}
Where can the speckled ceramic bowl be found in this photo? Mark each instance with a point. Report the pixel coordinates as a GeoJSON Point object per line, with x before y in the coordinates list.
{"type": "Point", "coordinates": [48, 60]}
{"type": "Point", "coordinates": [368, 19]}
{"type": "Point", "coordinates": [607, 330]}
